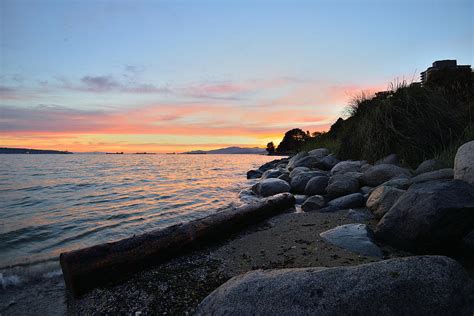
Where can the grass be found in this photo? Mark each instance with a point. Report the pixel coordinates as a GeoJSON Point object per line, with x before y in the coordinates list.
{"type": "Point", "coordinates": [415, 122]}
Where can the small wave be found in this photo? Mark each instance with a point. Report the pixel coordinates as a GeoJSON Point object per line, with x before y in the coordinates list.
{"type": "Point", "coordinates": [11, 280]}
{"type": "Point", "coordinates": [33, 272]}
{"type": "Point", "coordinates": [52, 274]}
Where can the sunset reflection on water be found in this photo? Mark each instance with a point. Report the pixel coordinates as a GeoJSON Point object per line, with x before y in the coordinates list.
{"type": "Point", "coordinates": [52, 203]}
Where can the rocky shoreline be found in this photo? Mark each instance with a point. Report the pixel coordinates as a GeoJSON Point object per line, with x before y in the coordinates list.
{"type": "Point", "coordinates": [382, 220]}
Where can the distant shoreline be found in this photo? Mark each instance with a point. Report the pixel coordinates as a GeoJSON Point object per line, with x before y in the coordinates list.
{"type": "Point", "coordinates": [28, 151]}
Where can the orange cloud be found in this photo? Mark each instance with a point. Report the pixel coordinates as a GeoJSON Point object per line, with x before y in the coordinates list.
{"type": "Point", "coordinates": [310, 105]}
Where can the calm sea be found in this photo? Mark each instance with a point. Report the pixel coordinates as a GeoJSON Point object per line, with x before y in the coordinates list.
{"type": "Point", "coordinates": [53, 203]}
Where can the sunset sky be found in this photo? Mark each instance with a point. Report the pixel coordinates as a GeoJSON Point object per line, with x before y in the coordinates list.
{"type": "Point", "coordinates": [182, 75]}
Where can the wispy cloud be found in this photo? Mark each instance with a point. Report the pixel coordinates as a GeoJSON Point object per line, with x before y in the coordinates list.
{"type": "Point", "coordinates": [108, 83]}
{"type": "Point", "coordinates": [99, 83]}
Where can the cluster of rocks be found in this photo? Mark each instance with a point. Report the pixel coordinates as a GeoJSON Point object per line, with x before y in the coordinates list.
{"type": "Point", "coordinates": [429, 210]}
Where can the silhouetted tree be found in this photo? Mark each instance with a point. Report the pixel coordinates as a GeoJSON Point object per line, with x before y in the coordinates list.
{"type": "Point", "coordinates": [292, 141]}
{"type": "Point", "coordinates": [270, 148]}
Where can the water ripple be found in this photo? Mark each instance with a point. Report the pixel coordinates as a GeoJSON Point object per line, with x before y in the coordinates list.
{"type": "Point", "coordinates": [53, 203]}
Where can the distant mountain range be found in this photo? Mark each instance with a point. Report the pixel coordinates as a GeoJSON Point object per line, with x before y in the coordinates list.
{"type": "Point", "coordinates": [229, 150]}
{"type": "Point", "coordinates": [31, 151]}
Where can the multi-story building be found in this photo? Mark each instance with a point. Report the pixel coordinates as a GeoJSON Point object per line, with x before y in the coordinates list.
{"type": "Point", "coordinates": [447, 66]}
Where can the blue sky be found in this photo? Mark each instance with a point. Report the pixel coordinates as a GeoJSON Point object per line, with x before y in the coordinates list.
{"type": "Point", "coordinates": [103, 59]}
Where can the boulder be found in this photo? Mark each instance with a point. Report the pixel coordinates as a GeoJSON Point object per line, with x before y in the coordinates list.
{"type": "Point", "coordinates": [271, 173]}
{"type": "Point", "coordinates": [464, 163]}
{"type": "Point", "coordinates": [285, 177]}
{"type": "Point", "coordinates": [391, 159]}
{"type": "Point", "coordinates": [346, 166]}
{"type": "Point", "coordinates": [365, 190]}
{"type": "Point", "coordinates": [298, 170]}
{"type": "Point", "coordinates": [365, 167]}
{"type": "Point", "coordinates": [357, 238]}
{"type": "Point", "coordinates": [254, 174]}
{"type": "Point", "coordinates": [313, 203]}
{"type": "Point", "coordinates": [316, 185]}
{"type": "Point", "coordinates": [427, 166]}
{"type": "Point", "coordinates": [327, 163]}
{"type": "Point", "coordinates": [348, 201]}
{"type": "Point", "coordinates": [401, 182]}
{"type": "Point", "coordinates": [319, 153]}
{"type": "Point", "coordinates": [295, 158]}
{"type": "Point", "coordinates": [360, 214]}
{"type": "Point", "coordinates": [418, 285]}
{"type": "Point", "coordinates": [308, 162]}
{"type": "Point", "coordinates": [271, 164]}
{"type": "Point", "coordinates": [298, 182]}
{"type": "Point", "coordinates": [379, 174]}
{"type": "Point", "coordinates": [433, 175]}
{"type": "Point", "coordinates": [300, 198]}
{"type": "Point", "coordinates": [340, 185]}
{"type": "Point", "coordinates": [382, 199]}
{"type": "Point", "coordinates": [328, 209]}
{"type": "Point", "coordinates": [432, 215]}
{"type": "Point", "coordinates": [468, 241]}
{"type": "Point", "coordinates": [270, 187]}
{"type": "Point", "coordinates": [355, 175]}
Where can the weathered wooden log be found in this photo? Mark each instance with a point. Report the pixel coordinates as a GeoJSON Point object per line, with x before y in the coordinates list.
{"type": "Point", "coordinates": [87, 268]}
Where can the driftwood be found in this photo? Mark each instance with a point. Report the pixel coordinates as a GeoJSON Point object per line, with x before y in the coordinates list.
{"type": "Point", "coordinates": [87, 268]}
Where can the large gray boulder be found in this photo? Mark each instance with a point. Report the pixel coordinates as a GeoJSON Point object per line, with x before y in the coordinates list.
{"type": "Point", "coordinates": [319, 153]}
{"type": "Point", "coordinates": [327, 163]}
{"type": "Point", "coordinates": [340, 185]}
{"type": "Point", "coordinates": [430, 215]}
{"type": "Point", "coordinates": [419, 285]}
{"type": "Point", "coordinates": [298, 170]}
{"type": "Point", "coordinates": [357, 238]}
{"type": "Point", "coordinates": [365, 190]}
{"type": "Point", "coordinates": [348, 201]}
{"type": "Point", "coordinates": [270, 187]}
{"type": "Point", "coordinates": [360, 214]}
{"type": "Point", "coordinates": [401, 182]}
{"type": "Point", "coordinates": [316, 185]}
{"type": "Point", "coordinates": [295, 158]}
{"type": "Point", "coordinates": [271, 164]}
{"type": "Point", "coordinates": [272, 173]}
{"type": "Point", "coordinates": [464, 163]}
{"type": "Point", "coordinates": [382, 199]}
{"type": "Point", "coordinates": [299, 182]}
{"type": "Point", "coordinates": [313, 203]}
{"type": "Point", "coordinates": [379, 174]}
{"type": "Point", "coordinates": [346, 166]}
{"type": "Point", "coordinates": [285, 177]}
{"type": "Point", "coordinates": [308, 161]}
{"type": "Point", "coordinates": [427, 166]}
{"type": "Point", "coordinates": [254, 174]}
{"type": "Point", "coordinates": [365, 167]}
{"type": "Point", "coordinates": [355, 175]}
{"type": "Point", "coordinates": [447, 173]}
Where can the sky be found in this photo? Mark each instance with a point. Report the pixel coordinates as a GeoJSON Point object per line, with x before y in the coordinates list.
{"type": "Point", "coordinates": [173, 76]}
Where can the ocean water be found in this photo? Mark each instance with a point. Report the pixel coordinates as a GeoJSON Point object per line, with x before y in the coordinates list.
{"type": "Point", "coordinates": [54, 203]}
